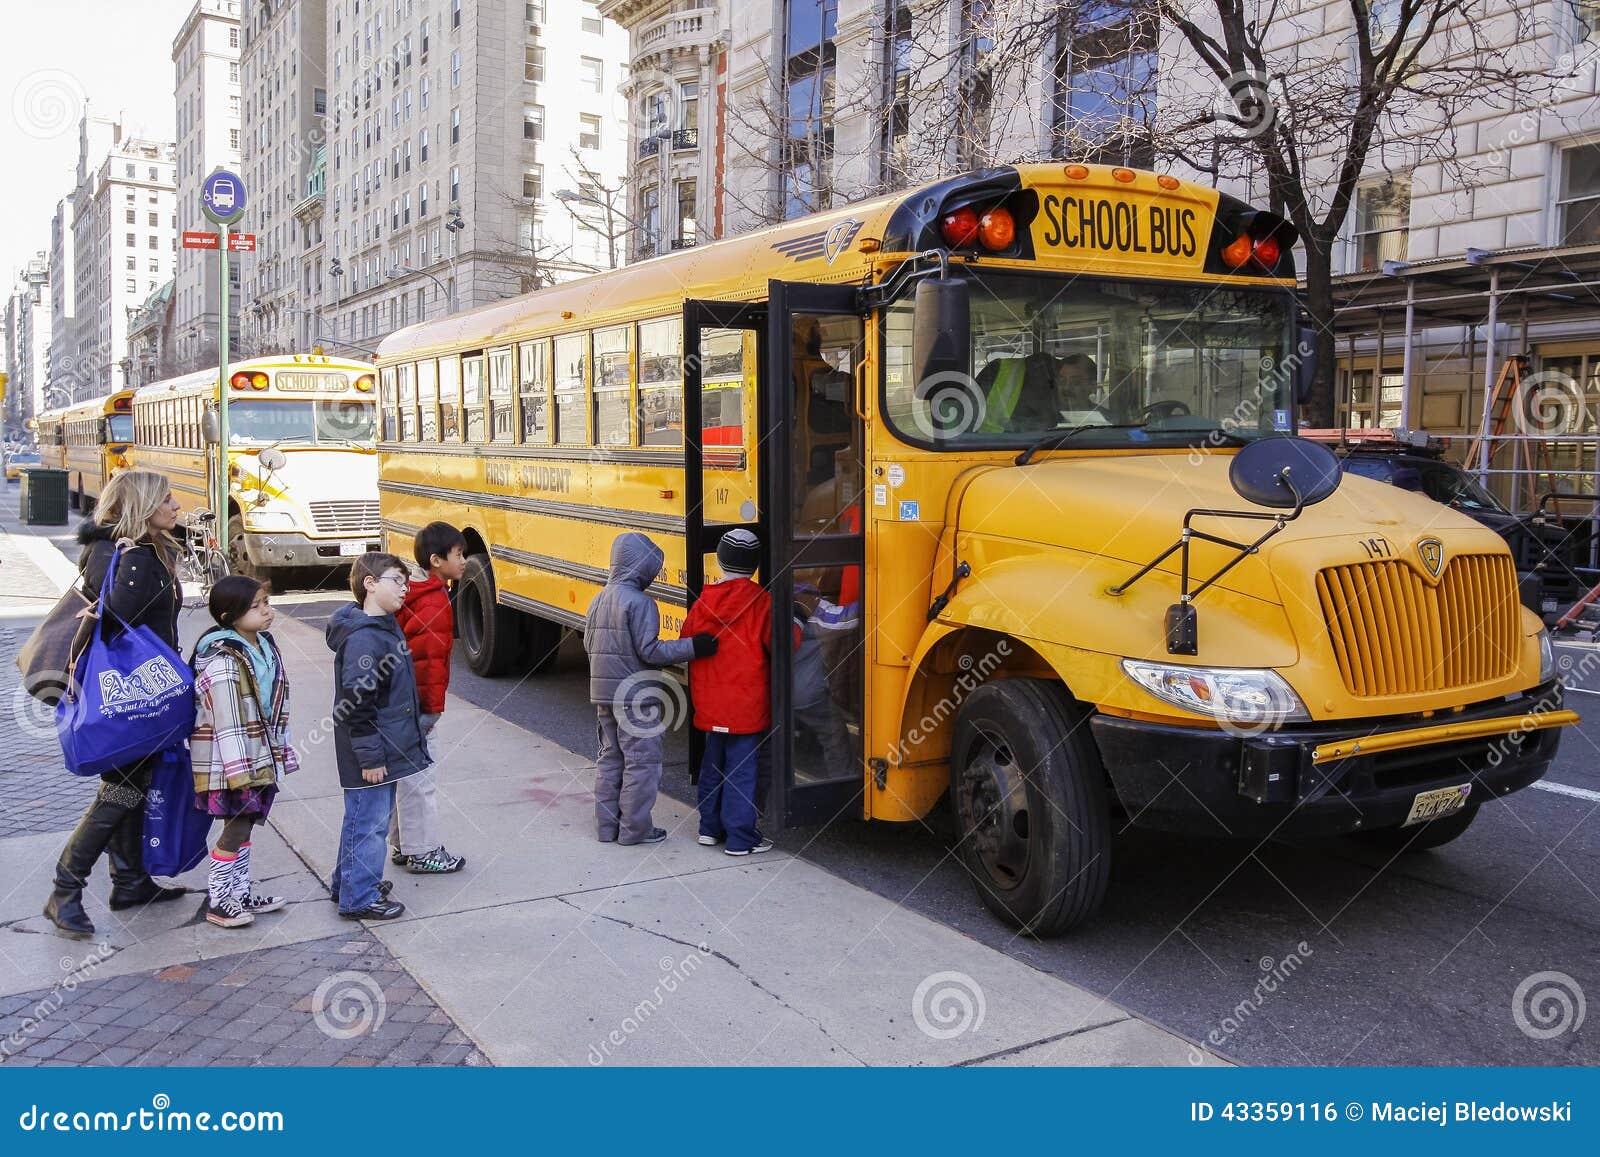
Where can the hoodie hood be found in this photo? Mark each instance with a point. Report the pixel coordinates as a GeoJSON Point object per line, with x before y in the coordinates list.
{"type": "Point", "coordinates": [635, 560]}
{"type": "Point", "coordinates": [349, 619]}
{"type": "Point", "coordinates": [726, 602]}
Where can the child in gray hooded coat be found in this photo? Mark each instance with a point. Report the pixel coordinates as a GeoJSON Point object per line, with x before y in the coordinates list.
{"type": "Point", "coordinates": [621, 633]}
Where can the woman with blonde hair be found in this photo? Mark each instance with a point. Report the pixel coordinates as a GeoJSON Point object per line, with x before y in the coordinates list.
{"type": "Point", "coordinates": [136, 511]}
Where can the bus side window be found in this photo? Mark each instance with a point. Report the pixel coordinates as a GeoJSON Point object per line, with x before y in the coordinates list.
{"type": "Point", "coordinates": [661, 382]}
{"type": "Point", "coordinates": [501, 416]}
{"type": "Point", "coordinates": [405, 381]}
{"type": "Point", "coordinates": [472, 398]}
{"type": "Point", "coordinates": [533, 367]}
{"type": "Point", "coordinates": [613, 388]}
{"type": "Point", "coordinates": [428, 400]}
{"type": "Point", "coordinates": [571, 375]}
{"type": "Point", "coordinates": [450, 399]}
{"type": "Point", "coordinates": [388, 399]}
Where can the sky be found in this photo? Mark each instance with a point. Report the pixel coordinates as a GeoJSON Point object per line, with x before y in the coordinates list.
{"type": "Point", "coordinates": [55, 56]}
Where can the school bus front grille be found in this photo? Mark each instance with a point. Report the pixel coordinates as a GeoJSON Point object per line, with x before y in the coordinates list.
{"type": "Point", "coordinates": [1394, 634]}
{"type": "Point", "coordinates": [345, 517]}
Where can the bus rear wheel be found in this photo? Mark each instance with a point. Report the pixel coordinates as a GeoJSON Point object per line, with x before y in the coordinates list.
{"type": "Point", "coordinates": [1028, 792]}
{"type": "Point", "coordinates": [493, 636]}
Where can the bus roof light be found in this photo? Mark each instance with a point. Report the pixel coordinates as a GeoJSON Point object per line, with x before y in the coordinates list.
{"type": "Point", "coordinates": [1266, 252]}
{"type": "Point", "coordinates": [960, 227]}
{"type": "Point", "coordinates": [1124, 175]}
{"type": "Point", "coordinates": [1167, 183]}
{"type": "Point", "coordinates": [240, 381]}
{"type": "Point", "coordinates": [1237, 252]}
{"type": "Point", "coordinates": [998, 229]}
{"type": "Point", "coordinates": [364, 383]}
{"type": "Point", "coordinates": [1077, 172]}
{"type": "Point", "coordinates": [259, 381]}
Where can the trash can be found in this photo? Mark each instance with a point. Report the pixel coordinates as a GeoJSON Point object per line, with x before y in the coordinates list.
{"type": "Point", "coordinates": [44, 496]}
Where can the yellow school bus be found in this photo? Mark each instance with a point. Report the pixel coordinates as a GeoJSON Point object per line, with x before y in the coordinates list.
{"type": "Point", "coordinates": [1017, 448]}
{"type": "Point", "coordinates": [301, 459]}
{"type": "Point", "coordinates": [91, 441]}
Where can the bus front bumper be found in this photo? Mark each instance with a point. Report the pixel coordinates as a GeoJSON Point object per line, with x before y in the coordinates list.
{"type": "Point", "coordinates": [1325, 778]}
{"type": "Point", "coordinates": [288, 548]}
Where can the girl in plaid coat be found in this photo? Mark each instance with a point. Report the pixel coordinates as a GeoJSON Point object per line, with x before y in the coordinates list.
{"type": "Point", "coordinates": [240, 745]}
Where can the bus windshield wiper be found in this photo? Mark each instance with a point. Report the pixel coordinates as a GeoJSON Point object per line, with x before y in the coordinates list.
{"type": "Point", "coordinates": [1055, 438]}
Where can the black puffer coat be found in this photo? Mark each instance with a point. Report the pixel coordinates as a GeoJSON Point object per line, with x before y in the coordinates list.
{"type": "Point", "coordinates": [145, 592]}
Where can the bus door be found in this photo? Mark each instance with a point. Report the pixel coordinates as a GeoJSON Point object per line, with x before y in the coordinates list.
{"type": "Point", "coordinates": [721, 488]}
{"type": "Point", "coordinates": [812, 481]}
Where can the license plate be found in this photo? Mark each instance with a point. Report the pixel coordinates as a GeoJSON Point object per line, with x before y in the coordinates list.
{"type": "Point", "coordinates": [352, 549]}
{"type": "Point", "coordinates": [1432, 805]}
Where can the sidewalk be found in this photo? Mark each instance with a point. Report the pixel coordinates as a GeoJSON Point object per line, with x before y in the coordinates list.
{"type": "Point", "coordinates": [549, 948]}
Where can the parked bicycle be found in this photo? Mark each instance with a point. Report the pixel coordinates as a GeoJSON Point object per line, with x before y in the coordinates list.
{"type": "Point", "coordinates": [203, 561]}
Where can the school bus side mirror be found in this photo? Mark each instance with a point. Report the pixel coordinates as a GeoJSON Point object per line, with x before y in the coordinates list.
{"type": "Point", "coordinates": [941, 329]}
{"type": "Point", "coordinates": [1305, 366]}
{"type": "Point", "coordinates": [210, 428]}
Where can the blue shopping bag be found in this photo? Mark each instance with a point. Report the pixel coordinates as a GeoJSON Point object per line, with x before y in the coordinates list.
{"type": "Point", "coordinates": [129, 698]}
{"type": "Point", "coordinates": [175, 833]}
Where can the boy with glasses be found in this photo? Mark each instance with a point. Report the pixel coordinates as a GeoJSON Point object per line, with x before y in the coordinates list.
{"type": "Point", "coordinates": [377, 733]}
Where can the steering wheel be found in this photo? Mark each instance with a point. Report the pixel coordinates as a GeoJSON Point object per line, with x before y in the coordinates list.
{"type": "Point", "coordinates": [1166, 408]}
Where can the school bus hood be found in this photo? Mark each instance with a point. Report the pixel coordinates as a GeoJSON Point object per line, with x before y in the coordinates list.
{"type": "Point", "coordinates": [1130, 507]}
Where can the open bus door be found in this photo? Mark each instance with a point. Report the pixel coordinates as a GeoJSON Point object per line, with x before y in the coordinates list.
{"type": "Point", "coordinates": [806, 441]}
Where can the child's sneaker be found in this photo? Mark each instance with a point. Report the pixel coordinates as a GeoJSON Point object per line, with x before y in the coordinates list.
{"type": "Point", "coordinates": [397, 857]}
{"type": "Point", "coordinates": [256, 904]}
{"type": "Point", "coordinates": [384, 888]}
{"type": "Point", "coordinates": [228, 913]}
{"type": "Point", "coordinates": [764, 845]}
{"type": "Point", "coordinates": [710, 841]}
{"type": "Point", "coordinates": [435, 863]}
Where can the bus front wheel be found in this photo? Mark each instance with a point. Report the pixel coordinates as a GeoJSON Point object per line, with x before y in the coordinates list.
{"type": "Point", "coordinates": [1032, 814]}
{"type": "Point", "coordinates": [238, 555]}
{"type": "Point", "coordinates": [492, 635]}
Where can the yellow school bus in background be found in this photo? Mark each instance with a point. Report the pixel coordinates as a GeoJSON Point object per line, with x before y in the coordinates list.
{"type": "Point", "coordinates": [301, 462]}
{"type": "Point", "coordinates": [1017, 447]}
{"type": "Point", "coordinates": [91, 441]}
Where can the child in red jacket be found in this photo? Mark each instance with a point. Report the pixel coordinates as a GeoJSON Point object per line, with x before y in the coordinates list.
{"type": "Point", "coordinates": [415, 843]}
{"type": "Point", "coordinates": [731, 696]}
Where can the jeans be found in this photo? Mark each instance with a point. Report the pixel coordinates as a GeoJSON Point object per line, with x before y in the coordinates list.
{"type": "Point", "coordinates": [359, 868]}
{"type": "Point", "coordinates": [728, 789]}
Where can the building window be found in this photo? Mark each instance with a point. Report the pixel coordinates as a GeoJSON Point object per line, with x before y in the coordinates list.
{"type": "Point", "coordinates": [133, 264]}
{"type": "Point", "coordinates": [422, 200]}
{"type": "Point", "coordinates": [533, 63]}
{"type": "Point", "coordinates": [649, 220]}
{"type": "Point", "coordinates": [455, 70]}
{"type": "Point", "coordinates": [687, 228]}
{"type": "Point", "coordinates": [233, 38]}
{"type": "Point", "coordinates": [594, 26]}
{"type": "Point", "coordinates": [533, 123]}
{"type": "Point", "coordinates": [533, 183]}
{"type": "Point", "coordinates": [535, 11]}
{"type": "Point", "coordinates": [155, 220]}
{"type": "Point", "coordinates": [588, 131]}
{"type": "Point", "coordinates": [405, 209]}
{"type": "Point", "coordinates": [423, 144]}
{"type": "Point", "coordinates": [807, 155]}
{"type": "Point", "coordinates": [455, 13]}
{"type": "Point", "coordinates": [455, 183]}
{"type": "Point", "coordinates": [1383, 219]}
{"type": "Point", "coordinates": [1104, 69]}
{"type": "Point", "coordinates": [455, 126]}
{"type": "Point", "coordinates": [427, 87]}
{"type": "Point", "coordinates": [233, 139]}
{"type": "Point", "coordinates": [655, 114]}
{"type": "Point", "coordinates": [1579, 203]}
{"type": "Point", "coordinates": [689, 105]}
{"type": "Point", "coordinates": [593, 72]}
{"type": "Point", "coordinates": [132, 216]}
{"type": "Point", "coordinates": [233, 72]}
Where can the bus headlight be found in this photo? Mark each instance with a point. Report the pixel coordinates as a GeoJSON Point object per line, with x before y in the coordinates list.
{"type": "Point", "coordinates": [268, 520]}
{"type": "Point", "coordinates": [1235, 694]}
{"type": "Point", "coordinates": [1547, 658]}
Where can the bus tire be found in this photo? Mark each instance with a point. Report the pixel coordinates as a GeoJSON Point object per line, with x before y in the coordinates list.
{"type": "Point", "coordinates": [542, 644]}
{"type": "Point", "coordinates": [238, 557]}
{"type": "Point", "coordinates": [491, 635]}
{"type": "Point", "coordinates": [1032, 813]}
{"type": "Point", "coordinates": [1433, 834]}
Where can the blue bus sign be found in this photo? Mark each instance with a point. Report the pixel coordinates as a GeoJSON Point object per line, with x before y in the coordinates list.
{"type": "Point", "coordinates": [222, 197]}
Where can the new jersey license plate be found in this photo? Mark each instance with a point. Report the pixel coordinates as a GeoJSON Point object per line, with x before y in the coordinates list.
{"type": "Point", "coordinates": [1432, 805]}
{"type": "Point", "coordinates": [352, 549]}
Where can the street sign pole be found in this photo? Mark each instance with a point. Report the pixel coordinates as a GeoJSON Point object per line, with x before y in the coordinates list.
{"type": "Point", "coordinates": [223, 530]}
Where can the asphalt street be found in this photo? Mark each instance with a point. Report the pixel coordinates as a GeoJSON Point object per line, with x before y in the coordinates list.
{"type": "Point", "coordinates": [1322, 953]}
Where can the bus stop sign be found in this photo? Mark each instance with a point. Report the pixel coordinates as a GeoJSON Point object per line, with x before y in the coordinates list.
{"type": "Point", "coordinates": [222, 197]}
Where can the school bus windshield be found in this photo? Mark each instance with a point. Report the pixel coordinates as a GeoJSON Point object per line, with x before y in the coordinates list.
{"type": "Point", "coordinates": [1151, 363]}
{"type": "Point", "coordinates": [120, 427]}
{"type": "Point", "coordinates": [301, 420]}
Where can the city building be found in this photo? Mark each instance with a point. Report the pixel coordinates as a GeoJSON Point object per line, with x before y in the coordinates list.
{"type": "Point", "coordinates": [205, 60]}
{"type": "Point", "coordinates": [283, 98]}
{"type": "Point", "coordinates": [27, 341]}
{"type": "Point", "coordinates": [124, 236]}
{"type": "Point", "coordinates": [62, 373]}
{"type": "Point", "coordinates": [152, 332]}
{"type": "Point", "coordinates": [477, 149]}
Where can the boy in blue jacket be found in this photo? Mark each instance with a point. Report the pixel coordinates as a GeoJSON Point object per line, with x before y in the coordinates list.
{"type": "Point", "coordinates": [377, 732]}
